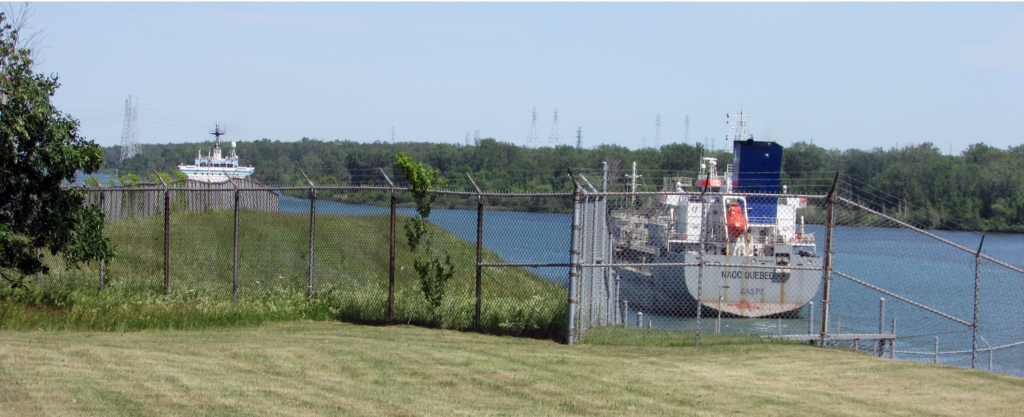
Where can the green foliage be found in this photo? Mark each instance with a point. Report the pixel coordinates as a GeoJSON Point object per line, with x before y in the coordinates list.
{"type": "Point", "coordinates": [433, 272]}
{"type": "Point", "coordinates": [981, 188]}
{"type": "Point", "coordinates": [39, 148]}
{"type": "Point", "coordinates": [179, 177]}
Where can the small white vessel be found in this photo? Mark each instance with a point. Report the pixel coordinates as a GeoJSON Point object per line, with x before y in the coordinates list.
{"type": "Point", "coordinates": [214, 167]}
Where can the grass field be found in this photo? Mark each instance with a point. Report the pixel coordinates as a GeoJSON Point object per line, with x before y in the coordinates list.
{"type": "Point", "coordinates": [350, 280]}
{"type": "Point", "coordinates": [328, 368]}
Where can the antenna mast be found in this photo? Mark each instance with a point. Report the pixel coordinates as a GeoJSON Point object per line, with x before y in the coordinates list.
{"type": "Point", "coordinates": [737, 128]}
{"type": "Point", "coordinates": [218, 132]}
{"type": "Point", "coordinates": [555, 138]}
{"type": "Point", "coordinates": [130, 133]}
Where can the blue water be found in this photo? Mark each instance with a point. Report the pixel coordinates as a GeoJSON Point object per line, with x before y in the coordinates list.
{"type": "Point", "coordinates": [904, 262]}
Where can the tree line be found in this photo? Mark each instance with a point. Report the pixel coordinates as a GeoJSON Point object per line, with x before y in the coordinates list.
{"type": "Point", "coordinates": [982, 188]}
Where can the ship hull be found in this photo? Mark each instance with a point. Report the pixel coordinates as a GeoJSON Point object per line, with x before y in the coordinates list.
{"type": "Point", "coordinates": [768, 291]}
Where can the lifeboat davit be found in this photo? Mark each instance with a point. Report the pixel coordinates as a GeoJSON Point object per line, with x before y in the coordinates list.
{"type": "Point", "coordinates": [737, 223]}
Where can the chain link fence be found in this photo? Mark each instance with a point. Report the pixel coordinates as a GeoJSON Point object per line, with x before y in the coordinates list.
{"type": "Point", "coordinates": [822, 261]}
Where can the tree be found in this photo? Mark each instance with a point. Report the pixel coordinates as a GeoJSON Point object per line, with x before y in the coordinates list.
{"type": "Point", "coordinates": [434, 272]}
{"type": "Point", "coordinates": [39, 148]}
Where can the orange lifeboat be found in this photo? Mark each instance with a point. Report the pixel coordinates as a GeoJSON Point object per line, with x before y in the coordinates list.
{"type": "Point", "coordinates": [736, 221]}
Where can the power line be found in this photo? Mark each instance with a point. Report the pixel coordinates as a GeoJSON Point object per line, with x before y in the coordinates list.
{"type": "Point", "coordinates": [686, 135]}
{"type": "Point", "coordinates": [556, 138]}
{"type": "Point", "coordinates": [657, 131]}
{"type": "Point", "coordinates": [532, 140]}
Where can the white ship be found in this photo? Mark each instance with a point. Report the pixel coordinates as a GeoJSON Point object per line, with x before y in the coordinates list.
{"type": "Point", "coordinates": [215, 168]}
{"type": "Point", "coordinates": [754, 254]}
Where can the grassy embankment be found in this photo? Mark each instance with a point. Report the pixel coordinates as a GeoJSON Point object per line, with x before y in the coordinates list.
{"type": "Point", "coordinates": [310, 368]}
{"type": "Point", "coordinates": [351, 280]}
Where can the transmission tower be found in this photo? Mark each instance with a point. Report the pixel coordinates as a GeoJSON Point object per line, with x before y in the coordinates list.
{"type": "Point", "coordinates": [130, 133]}
{"type": "Point", "coordinates": [556, 138]}
{"type": "Point", "coordinates": [467, 138]}
{"type": "Point", "coordinates": [579, 137]}
{"type": "Point", "coordinates": [392, 135]}
{"type": "Point", "coordinates": [476, 137]}
{"type": "Point", "coordinates": [532, 140]}
{"type": "Point", "coordinates": [657, 131]}
{"type": "Point", "coordinates": [686, 136]}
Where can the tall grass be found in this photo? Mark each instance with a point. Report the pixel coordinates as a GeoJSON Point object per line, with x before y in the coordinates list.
{"type": "Point", "coordinates": [350, 280]}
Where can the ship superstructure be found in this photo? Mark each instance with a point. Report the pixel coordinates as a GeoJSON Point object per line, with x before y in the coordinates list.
{"type": "Point", "coordinates": [215, 167]}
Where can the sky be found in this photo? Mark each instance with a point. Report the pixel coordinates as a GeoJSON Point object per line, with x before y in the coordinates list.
{"type": "Point", "coordinates": [843, 75]}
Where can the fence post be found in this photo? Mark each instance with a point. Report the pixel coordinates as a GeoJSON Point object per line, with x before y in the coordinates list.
{"type": "Point", "coordinates": [625, 313]}
{"type": "Point", "coordinates": [104, 259]}
{"type": "Point", "coordinates": [234, 264]}
{"type": "Point", "coordinates": [977, 289]}
{"type": "Point", "coordinates": [39, 276]}
{"type": "Point", "coordinates": [826, 270]}
{"type": "Point", "coordinates": [892, 343]}
{"type": "Point", "coordinates": [167, 235]}
{"type": "Point", "coordinates": [880, 345]}
{"type": "Point", "coordinates": [700, 265]}
{"type": "Point", "coordinates": [479, 254]}
{"type": "Point", "coordinates": [312, 224]}
{"type": "Point", "coordinates": [935, 359]}
{"type": "Point", "coordinates": [391, 260]}
{"type": "Point", "coordinates": [574, 258]}
{"type": "Point", "coordinates": [810, 318]}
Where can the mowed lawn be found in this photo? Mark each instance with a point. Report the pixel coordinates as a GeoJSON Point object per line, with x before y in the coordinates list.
{"type": "Point", "coordinates": [328, 368]}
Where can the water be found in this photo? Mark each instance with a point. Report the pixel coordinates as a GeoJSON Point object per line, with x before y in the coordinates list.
{"type": "Point", "coordinates": [901, 261]}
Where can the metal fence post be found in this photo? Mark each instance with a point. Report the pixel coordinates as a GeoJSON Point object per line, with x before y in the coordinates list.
{"type": "Point", "coordinates": [312, 224]}
{"type": "Point", "coordinates": [103, 261]}
{"type": "Point", "coordinates": [826, 270]}
{"type": "Point", "coordinates": [700, 266]}
{"type": "Point", "coordinates": [391, 260]}
{"type": "Point", "coordinates": [935, 359]}
{"type": "Point", "coordinates": [880, 345]}
{"type": "Point", "coordinates": [477, 319]}
{"type": "Point", "coordinates": [574, 255]}
{"type": "Point", "coordinates": [977, 289]}
{"type": "Point", "coordinates": [234, 267]}
{"type": "Point", "coordinates": [892, 343]}
{"type": "Point", "coordinates": [810, 318]}
{"type": "Point", "coordinates": [167, 235]}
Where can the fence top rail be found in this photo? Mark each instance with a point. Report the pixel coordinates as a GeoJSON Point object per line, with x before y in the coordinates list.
{"type": "Point", "coordinates": [447, 191]}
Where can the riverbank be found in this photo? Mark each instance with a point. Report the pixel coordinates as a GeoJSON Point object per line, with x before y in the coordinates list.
{"type": "Point", "coordinates": [350, 280]}
{"type": "Point", "coordinates": [340, 369]}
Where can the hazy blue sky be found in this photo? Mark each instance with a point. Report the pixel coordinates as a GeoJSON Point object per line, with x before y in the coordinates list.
{"type": "Point", "coordinates": [847, 75]}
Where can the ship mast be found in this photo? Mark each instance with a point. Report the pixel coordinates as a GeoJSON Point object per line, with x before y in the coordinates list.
{"type": "Point", "coordinates": [738, 128]}
{"type": "Point", "coordinates": [632, 203]}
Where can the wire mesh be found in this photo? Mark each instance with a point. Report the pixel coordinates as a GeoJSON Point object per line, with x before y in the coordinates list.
{"type": "Point", "coordinates": [684, 255]}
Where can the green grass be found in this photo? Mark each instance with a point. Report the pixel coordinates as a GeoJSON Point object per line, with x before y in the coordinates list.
{"type": "Point", "coordinates": [329, 368]}
{"type": "Point", "coordinates": [350, 280]}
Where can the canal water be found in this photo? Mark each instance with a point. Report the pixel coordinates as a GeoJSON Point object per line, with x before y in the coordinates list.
{"type": "Point", "coordinates": [902, 261]}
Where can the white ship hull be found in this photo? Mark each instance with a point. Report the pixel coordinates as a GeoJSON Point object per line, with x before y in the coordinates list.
{"type": "Point", "coordinates": [736, 291]}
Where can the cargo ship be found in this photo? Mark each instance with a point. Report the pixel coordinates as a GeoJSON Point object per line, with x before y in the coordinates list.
{"type": "Point", "coordinates": [757, 262]}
